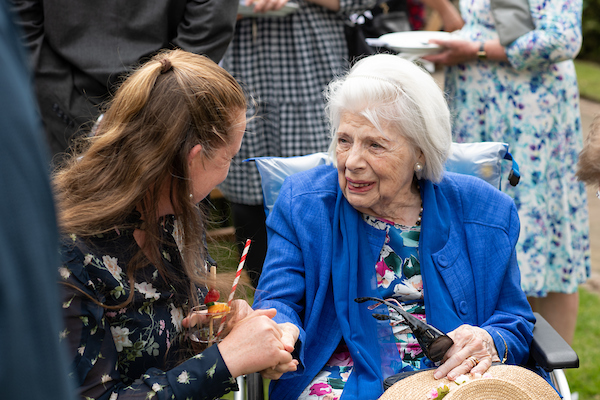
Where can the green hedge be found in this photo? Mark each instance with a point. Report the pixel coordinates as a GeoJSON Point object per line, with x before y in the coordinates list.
{"type": "Point", "coordinates": [590, 26]}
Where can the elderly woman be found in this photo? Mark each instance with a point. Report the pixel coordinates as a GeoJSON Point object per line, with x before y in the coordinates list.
{"type": "Point", "coordinates": [387, 221]}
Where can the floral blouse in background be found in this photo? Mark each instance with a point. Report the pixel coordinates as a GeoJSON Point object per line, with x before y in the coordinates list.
{"type": "Point", "coordinates": [531, 102]}
{"type": "Point", "coordinates": [133, 352]}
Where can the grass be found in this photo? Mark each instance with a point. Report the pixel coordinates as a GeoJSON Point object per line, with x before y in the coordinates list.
{"type": "Point", "coordinates": [586, 379]}
{"type": "Point", "coordinates": [588, 76]}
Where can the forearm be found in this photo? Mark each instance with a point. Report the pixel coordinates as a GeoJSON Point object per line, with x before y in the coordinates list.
{"type": "Point", "coordinates": [345, 6]}
{"type": "Point", "coordinates": [333, 5]}
{"type": "Point", "coordinates": [511, 324]}
{"type": "Point", "coordinates": [493, 49]}
{"type": "Point", "coordinates": [463, 51]}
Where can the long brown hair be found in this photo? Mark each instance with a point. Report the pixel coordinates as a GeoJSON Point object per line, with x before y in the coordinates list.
{"type": "Point", "coordinates": [588, 166]}
{"type": "Point", "coordinates": [164, 108]}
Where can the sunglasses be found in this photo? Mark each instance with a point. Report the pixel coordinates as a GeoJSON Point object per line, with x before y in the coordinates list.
{"type": "Point", "coordinates": [433, 342]}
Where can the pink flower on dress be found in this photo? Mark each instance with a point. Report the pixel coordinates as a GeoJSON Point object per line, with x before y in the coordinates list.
{"type": "Point", "coordinates": [320, 389]}
{"type": "Point", "coordinates": [385, 275]}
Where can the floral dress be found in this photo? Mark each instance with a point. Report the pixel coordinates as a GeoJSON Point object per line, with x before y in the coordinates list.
{"type": "Point", "coordinates": [532, 103]}
{"type": "Point", "coordinates": [138, 351]}
{"type": "Point", "coordinates": [398, 277]}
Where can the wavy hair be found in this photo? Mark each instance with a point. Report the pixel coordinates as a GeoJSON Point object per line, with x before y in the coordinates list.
{"type": "Point", "coordinates": [164, 108]}
{"type": "Point", "coordinates": [588, 165]}
{"type": "Point", "coordinates": [392, 92]}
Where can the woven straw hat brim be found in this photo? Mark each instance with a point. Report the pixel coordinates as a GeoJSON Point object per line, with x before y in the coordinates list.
{"type": "Point", "coordinates": [508, 382]}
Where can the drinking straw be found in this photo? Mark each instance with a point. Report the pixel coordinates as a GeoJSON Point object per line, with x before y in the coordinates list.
{"type": "Point", "coordinates": [212, 280]}
{"type": "Point", "coordinates": [238, 273]}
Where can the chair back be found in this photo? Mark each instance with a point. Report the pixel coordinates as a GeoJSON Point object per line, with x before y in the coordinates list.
{"type": "Point", "coordinates": [483, 160]}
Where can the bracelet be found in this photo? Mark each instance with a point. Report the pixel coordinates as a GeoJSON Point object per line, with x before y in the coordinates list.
{"type": "Point", "coordinates": [481, 53]}
{"type": "Point", "coordinates": [505, 348]}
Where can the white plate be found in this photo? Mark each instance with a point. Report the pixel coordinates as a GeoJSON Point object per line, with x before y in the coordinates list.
{"type": "Point", "coordinates": [248, 11]}
{"type": "Point", "coordinates": [414, 41]}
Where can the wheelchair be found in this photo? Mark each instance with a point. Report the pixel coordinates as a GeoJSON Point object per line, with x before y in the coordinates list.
{"type": "Point", "coordinates": [549, 351]}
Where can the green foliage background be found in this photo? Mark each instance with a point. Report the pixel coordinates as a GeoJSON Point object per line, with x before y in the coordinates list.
{"type": "Point", "coordinates": [590, 26]}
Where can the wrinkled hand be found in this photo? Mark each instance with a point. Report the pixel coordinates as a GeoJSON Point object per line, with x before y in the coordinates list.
{"type": "Point", "coordinates": [289, 336]}
{"type": "Point", "coordinates": [469, 341]}
{"type": "Point", "coordinates": [454, 51]}
{"type": "Point", "coordinates": [256, 343]}
{"type": "Point", "coordinates": [266, 5]}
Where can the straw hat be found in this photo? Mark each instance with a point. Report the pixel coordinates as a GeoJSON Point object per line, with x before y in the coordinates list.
{"type": "Point", "coordinates": [507, 382]}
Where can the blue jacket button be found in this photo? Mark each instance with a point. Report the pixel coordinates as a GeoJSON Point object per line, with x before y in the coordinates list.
{"type": "Point", "coordinates": [462, 307]}
{"type": "Point", "coordinates": [442, 260]}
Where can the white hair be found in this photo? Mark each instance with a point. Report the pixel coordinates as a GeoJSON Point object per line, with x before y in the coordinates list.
{"type": "Point", "coordinates": [393, 92]}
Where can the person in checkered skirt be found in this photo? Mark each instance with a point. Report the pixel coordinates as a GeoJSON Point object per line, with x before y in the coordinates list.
{"type": "Point", "coordinates": [284, 63]}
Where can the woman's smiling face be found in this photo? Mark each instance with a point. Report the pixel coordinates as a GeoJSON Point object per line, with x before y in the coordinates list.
{"type": "Point", "coordinates": [375, 169]}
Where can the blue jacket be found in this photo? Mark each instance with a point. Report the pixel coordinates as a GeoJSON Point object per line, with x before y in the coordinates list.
{"type": "Point", "coordinates": [322, 255]}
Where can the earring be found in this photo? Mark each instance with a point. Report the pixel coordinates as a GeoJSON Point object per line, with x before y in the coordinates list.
{"type": "Point", "coordinates": [418, 170]}
{"type": "Point", "coordinates": [191, 196]}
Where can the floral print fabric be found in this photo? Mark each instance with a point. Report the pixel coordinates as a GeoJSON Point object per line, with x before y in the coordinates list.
{"type": "Point", "coordinates": [398, 277]}
{"type": "Point", "coordinates": [532, 103]}
{"type": "Point", "coordinates": [138, 351]}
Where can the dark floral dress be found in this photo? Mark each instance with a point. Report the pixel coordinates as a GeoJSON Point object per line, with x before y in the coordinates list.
{"type": "Point", "coordinates": [138, 351]}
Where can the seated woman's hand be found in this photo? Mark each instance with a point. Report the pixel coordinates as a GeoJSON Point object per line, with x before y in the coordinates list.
{"type": "Point", "coordinates": [289, 337]}
{"type": "Point", "coordinates": [256, 343]}
{"type": "Point", "coordinates": [473, 352]}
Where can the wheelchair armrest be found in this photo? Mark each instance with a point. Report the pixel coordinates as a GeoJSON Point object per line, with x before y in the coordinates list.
{"type": "Point", "coordinates": [549, 350]}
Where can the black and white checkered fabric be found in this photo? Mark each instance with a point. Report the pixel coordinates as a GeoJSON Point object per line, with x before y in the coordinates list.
{"type": "Point", "coordinates": [285, 63]}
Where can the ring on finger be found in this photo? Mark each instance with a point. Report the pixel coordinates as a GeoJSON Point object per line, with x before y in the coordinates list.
{"type": "Point", "coordinates": [473, 360]}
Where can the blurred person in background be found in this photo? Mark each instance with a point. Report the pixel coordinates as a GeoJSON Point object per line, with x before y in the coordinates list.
{"type": "Point", "coordinates": [588, 166]}
{"type": "Point", "coordinates": [516, 83]}
{"type": "Point", "coordinates": [32, 359]}
{"type": "Point", "coordinates": [285, 63]}
{"type": "Point", "coordinates": [80, 52]}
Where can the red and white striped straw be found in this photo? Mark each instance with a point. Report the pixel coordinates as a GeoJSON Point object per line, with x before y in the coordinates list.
{"type": "Point", "coordinates": [238, 273]}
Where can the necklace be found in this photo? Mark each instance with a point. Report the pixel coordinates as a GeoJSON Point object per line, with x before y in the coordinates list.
{"type": "Point", "coordinates": [418, 223]}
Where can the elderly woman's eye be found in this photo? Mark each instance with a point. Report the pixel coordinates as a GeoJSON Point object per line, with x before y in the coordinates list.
{"type": "Point", "coordinates": [343, 142]}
